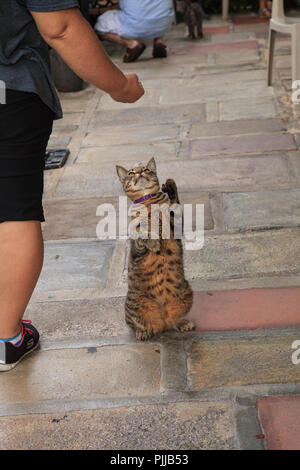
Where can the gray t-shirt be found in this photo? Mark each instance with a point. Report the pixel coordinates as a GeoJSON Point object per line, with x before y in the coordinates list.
{"type": "Point", "coordinates": [24, 55]}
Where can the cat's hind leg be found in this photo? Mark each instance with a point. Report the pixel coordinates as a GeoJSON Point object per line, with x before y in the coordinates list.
{"type": "Point", "coordinates": [143, 315]}
{"type": "Point", "coordinates": [185, 325]}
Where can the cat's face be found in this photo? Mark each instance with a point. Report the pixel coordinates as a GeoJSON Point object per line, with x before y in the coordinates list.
{"type": "Point", "coordinates": [140, 181]}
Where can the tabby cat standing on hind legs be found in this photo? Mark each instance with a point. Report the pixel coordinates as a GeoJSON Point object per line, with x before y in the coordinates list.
{"type": "Point", "coordinates": [158, 295]}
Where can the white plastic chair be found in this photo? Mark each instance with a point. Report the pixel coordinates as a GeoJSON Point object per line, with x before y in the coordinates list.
{"type": "Point", "coordinates": [279, 22]}
{"type": "Point", "coordinates": [225, 9]}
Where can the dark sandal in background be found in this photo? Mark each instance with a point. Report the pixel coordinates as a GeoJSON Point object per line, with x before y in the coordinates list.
{"type": "Point", "coordinates": [134, 53]}
{"type": "Point", "coordinates": [159, 51]}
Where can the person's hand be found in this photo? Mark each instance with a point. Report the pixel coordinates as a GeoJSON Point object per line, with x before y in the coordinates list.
{"type": "Point", "coordinates": [131, 92]}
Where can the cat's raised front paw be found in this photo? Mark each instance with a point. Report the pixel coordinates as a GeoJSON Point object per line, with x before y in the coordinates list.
{"type": "Point", "coordinates": [153, 245]}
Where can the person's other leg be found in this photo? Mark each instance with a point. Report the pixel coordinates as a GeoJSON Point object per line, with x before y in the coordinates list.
{"type": "Point", "coordinates": [128, 43]}
{"type": "Point", "coordinates": [159, 48]}
{"type": "Point", "coordinates": [264, 8]}
{"type": "Point", "coordinates": [21, 254]}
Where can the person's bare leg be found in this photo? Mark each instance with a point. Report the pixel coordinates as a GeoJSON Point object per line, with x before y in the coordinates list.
{"type": "Point", "coordinates": [263, 4]}
{"type": "Point", "coordinates": [128, 43]}
{"type": "Point", "coordinates": [158, 41]}
{"type": "Point", "coordinates": [21, 255]}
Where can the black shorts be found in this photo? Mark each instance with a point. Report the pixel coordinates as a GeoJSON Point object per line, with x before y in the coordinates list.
{"type": "Point", "coordinates": [25, 127]}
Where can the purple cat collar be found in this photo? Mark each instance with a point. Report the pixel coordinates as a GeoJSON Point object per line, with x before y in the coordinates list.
{"type": "Point", "coordinates": [144, 198]}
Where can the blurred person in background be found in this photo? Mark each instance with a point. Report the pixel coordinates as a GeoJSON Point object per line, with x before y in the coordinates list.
{"type": "Point", "coordinates": [135, 21]}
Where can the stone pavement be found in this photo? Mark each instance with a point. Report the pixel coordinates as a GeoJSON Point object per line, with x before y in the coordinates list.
{"type": "Point", "coordinates": [232, 144]}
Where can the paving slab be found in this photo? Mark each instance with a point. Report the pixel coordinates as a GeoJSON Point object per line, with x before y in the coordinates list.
{"type": "Point", "coordinates": [245, 309]}
{"type": "Point", "coordinates": [260, 108]}
{"type": "Point", "coordinates": [253, 27]}
{"type": "Point", "coordinates": [75, 265]}
{"type": "Point", "coordinates": [250, 56]}
{"type": "Point", "coordinates": [83, 373]}
{"type": "Point", "coordinates": [242, 144]}
{"type": "Point", "coordinates": [279, 417]}
{"type": "Point", "coordinates": [207, 79]}
{"type": "Point", "coordinates": [193, 425]}
{"type": "Point", "coordinates": [70, 121]}
{"type": "Point", "coordinates": [129, 153]}
{"type": "Point", "coordinates": [229, 172]}
{"type": "Point", "coordinates": [219, 48]}
{"type": "Point", "coordinates": [237, 362]}
{"type": "Point", "coordinates": [261, 209]}
{"type": "Point", "coordinates": [242, 256]}
{"type": "Point", "coordinates": [76, 218]}
{"type": "Point", "coordinates": [73, 218]}
{"type": "Point", "coordinates": [152, 115]}
{"type": "Point", "coordinates": [79, 319]}
{"type": "Point", "coordinates": [247, 126]}
{"type": "Point", "coordinates": [201, 93]}
{"type": "Point", "coordinates": [137, 135]}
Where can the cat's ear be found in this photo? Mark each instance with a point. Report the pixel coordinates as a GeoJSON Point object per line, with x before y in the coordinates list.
{"type": "Point", "coordinates": [151, 165]}
{"type": "Point", "coordinates": [122, 173]}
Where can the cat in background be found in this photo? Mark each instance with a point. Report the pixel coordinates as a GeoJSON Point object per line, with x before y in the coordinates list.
{"type": "Point", "coordinates": [193, 17]}
{"type": "Point", "coordinates": [159, 296]}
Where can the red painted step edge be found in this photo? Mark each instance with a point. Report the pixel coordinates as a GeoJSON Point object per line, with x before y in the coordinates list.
{"type": "Point", "coordinates": [280, 421]}
{"type": "Point", "coordinates": [246, 309]}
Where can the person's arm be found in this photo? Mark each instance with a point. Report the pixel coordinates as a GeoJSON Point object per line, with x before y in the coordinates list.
{"type": "Point", "coordinates": [72, 37]}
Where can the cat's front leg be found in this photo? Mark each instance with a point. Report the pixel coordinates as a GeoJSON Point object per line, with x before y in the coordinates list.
{"type": "Point", "coordinates": [170, 188]}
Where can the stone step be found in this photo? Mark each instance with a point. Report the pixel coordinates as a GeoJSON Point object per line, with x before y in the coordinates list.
{"type": "Point", "coordinates": [235, 362]}
{"type": "Point", "coordinates": [83, 373]}
{"type": "Point", "coordinates": [76, 218]}
{"type": "Point", "coordinates": [75, 265]}
{"type": "Point", "coordinates": [80, 320]}
{"type": "Point", "coordinates": [194, 425]}
{"type": "Point", "coordinates": [242, 144]}
{"type": "Point", "coordinates": [245, 256]}
{"type": "Point", "coordinates": [261, 209]}
{"type": "Point", "coordinates": [226, 173]}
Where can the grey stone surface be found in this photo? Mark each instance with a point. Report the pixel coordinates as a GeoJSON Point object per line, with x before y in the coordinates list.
{"type": "Point", "coordinates": [79, 319]}
{"type": "Point", "coordinates": [243, 256]}
{"type": "Point", "coordinates": [240, 127]}
{"type": "Point", "coordinates": [75, 265]}
{"type": "Point", "coordinates": [243, 108]}
{"type": "Point", "coordinates": [260, 209]}
{"type": "Point", "coordinates": [69, 374]}
{"type": "Point", "coordinates": [151, 115]}
{"type": "Point", "coordinates": [200, 93]}
{"type": "Point", "coordinates": [228, 173]}
{"type": "Point", "coordinates": [137, 135]}
{"type": "Point", "coordinates": [177, 426]}
{"type": "Point", "coordinates": [127, 154]}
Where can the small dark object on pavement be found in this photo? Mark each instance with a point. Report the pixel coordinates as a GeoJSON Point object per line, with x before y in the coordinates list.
{"type": "Point", "coordinates": [56, 158]}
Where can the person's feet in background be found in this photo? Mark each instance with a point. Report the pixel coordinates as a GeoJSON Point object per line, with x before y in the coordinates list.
{"type": "Point", "coordinates": [135, 48]}
{"type": "Point", "coordinates": [265, 8]}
